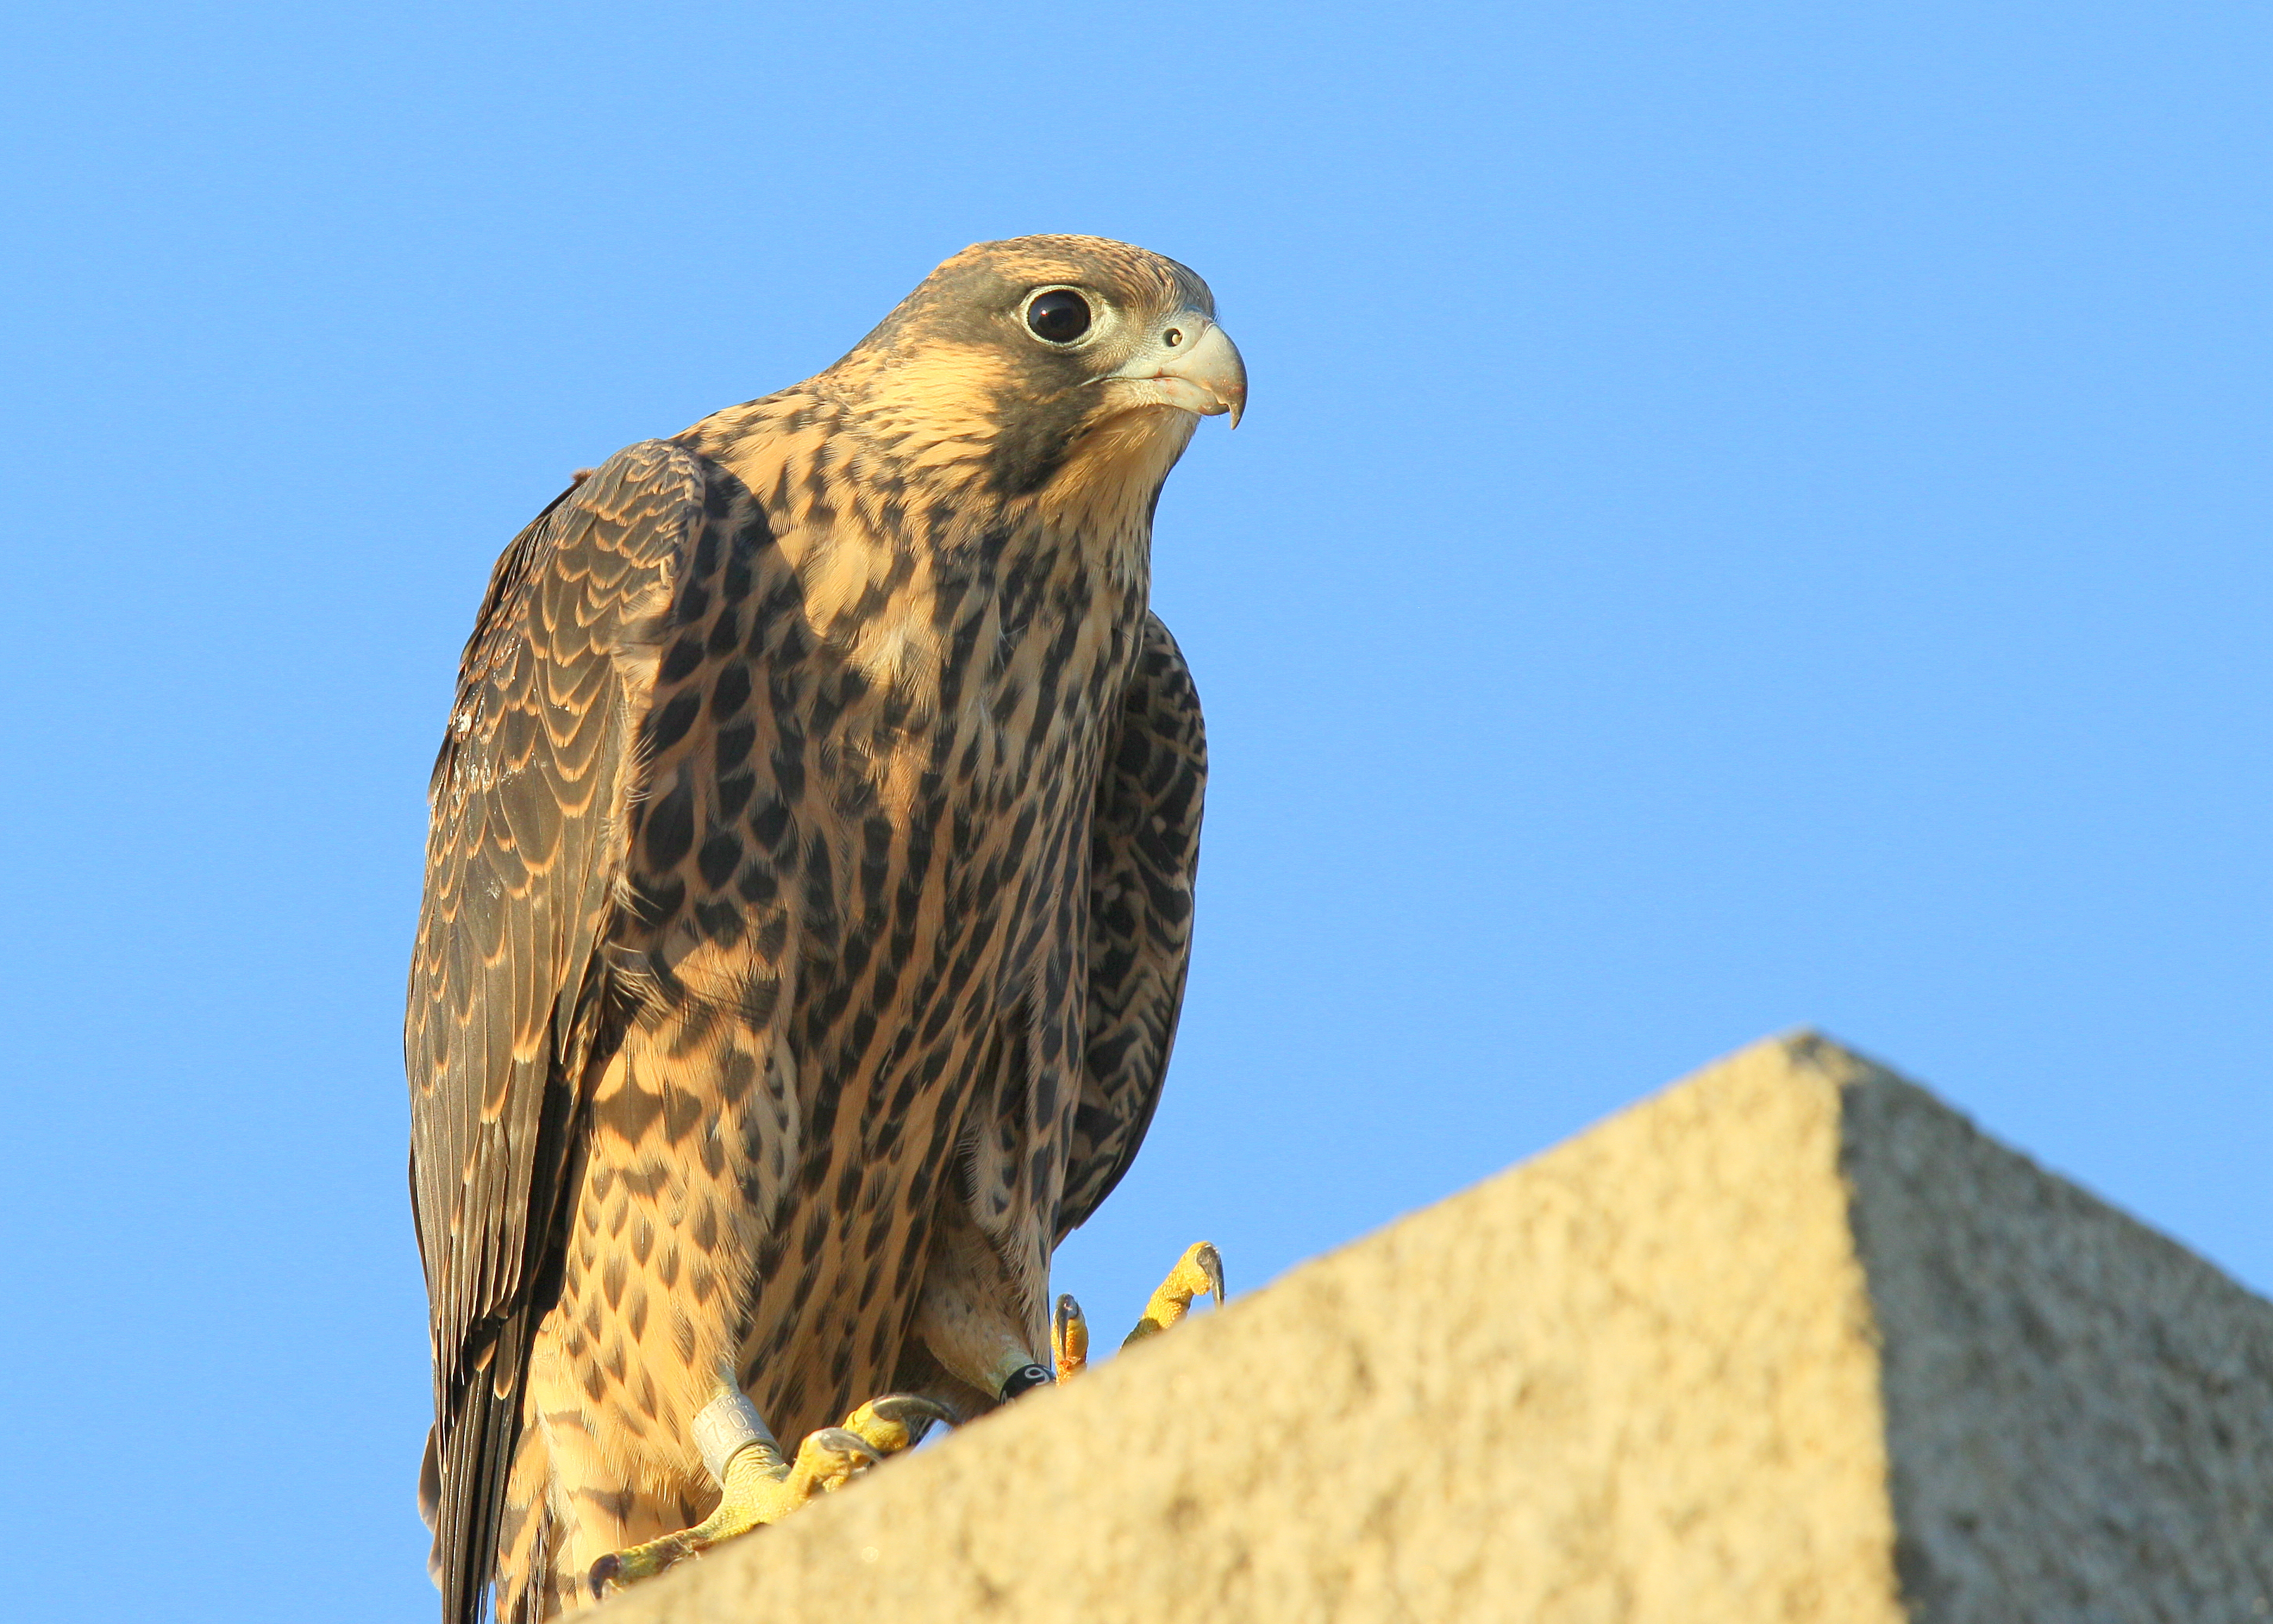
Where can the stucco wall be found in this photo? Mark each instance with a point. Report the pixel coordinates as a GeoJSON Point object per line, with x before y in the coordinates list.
{"type": "Point", "coordinates": [1791, 1341]}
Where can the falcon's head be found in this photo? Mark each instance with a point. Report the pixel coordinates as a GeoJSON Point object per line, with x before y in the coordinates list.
{"type": "Point", "coordinates": [1047, 365]}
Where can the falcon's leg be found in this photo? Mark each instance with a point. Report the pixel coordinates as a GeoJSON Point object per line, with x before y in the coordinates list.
{"type": "Point", "coordinates": [759, 1486]}
{"type": "Point", "coordinates": [970, 1317]}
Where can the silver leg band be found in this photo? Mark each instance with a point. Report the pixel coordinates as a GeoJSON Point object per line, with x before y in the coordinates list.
{"type": "Point", "coordinates": [726, 1426]}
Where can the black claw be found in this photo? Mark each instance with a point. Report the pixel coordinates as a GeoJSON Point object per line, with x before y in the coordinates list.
{"type": "Point", "coordinates": [606, 1568]}
{"type": "Point", "coordinates": [1211, 1262]}
{"type": "Point", "coordinates": [1068, 1316]}
{"type": "Point", "coordinates": [1032, 1376]}
{"type": "Point", "coordinates": [902, 1407]}
{"type": "Point", "coordinates": [917, 1414]}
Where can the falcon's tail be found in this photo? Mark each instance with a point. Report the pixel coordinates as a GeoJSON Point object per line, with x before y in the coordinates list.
{"type": "Point", "coordinates": [462, 1491]}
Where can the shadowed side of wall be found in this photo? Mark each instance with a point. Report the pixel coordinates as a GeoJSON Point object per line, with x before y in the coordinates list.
{"type": "Point", "coordinates": [2079, 1412]}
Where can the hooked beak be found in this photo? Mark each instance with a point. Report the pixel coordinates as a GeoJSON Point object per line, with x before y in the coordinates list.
{"type": "Point", "coordinates": [1192, 364]}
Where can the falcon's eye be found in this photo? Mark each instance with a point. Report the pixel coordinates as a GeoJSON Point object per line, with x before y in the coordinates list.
{"type": "Point", "coordinates": [1061, 316]}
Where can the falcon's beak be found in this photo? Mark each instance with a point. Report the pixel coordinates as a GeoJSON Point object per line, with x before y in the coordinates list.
{"type": "Point", "coordinates": [1193, 364]}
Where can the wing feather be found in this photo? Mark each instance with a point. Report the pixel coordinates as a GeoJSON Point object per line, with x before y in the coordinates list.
{"type": "Point", "coordinates": [505, 1004]}
{"type": "Point", "coordinates": [1145, 858]}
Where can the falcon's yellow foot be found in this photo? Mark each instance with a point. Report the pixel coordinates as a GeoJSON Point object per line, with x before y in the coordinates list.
{"type": "Point", "coordinates": [761, 1488]}
{"type": "Point", "coordinates": [1199, 1270]}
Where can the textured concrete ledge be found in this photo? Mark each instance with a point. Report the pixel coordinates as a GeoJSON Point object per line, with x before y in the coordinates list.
{"type": "Point", "coordinates": [1791, 1341]}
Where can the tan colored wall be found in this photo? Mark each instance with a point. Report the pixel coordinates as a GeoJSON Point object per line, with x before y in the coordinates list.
{"type": "Point", "coordinates": [1791, 1341]}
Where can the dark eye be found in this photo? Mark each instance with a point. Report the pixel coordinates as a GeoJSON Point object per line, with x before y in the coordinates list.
{"type": "Point", "coordinates": [1061, 316]}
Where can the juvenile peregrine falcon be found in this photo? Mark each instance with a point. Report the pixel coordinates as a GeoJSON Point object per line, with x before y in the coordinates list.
{"type": "Point", "coordinates": [808, 899]}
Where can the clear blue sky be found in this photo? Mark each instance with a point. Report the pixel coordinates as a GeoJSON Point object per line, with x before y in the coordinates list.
{"type": "Point", "coordinates": [1749, 516]}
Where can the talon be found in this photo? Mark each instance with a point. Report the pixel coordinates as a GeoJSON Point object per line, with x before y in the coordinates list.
{"type": "Point", "coordinates": [895, 1422]}
{"type": "Point", "coordinates": [1211, 1262]}
{"type": "Point", "coordinates": [826, 1461]}
{"type": "Point", "coordinates": [1199, 1271]}
{"type": "Point", "coordinates": [1069, 1338]}
{"type": "Point", "coordinates": [619, 1569]}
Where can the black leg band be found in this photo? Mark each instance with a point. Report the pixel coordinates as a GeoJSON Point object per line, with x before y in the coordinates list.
{"type": "Point", "coordinates": [1032, 1376]}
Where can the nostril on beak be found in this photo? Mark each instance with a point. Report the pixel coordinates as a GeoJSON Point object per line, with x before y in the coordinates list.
{"type": "Point", "coordinates": [1172, 337]}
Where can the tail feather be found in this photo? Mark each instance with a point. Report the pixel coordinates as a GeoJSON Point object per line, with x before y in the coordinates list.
{"type": "Point", "coordinates": [474, 1454]}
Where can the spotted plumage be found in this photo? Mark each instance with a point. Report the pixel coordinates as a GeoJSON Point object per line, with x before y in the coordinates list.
{"type": "Point", "coordinates": [808, 905]}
